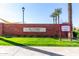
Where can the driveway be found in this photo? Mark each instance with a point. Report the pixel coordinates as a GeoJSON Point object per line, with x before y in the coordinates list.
{"type": "Point", "coordinates": [38, 51]}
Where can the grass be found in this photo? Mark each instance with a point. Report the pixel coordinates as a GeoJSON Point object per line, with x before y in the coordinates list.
{"type": "Point", "coordinates": [39, 41]}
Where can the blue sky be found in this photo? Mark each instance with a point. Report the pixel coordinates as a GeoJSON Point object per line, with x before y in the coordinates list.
{"type": "Point", "coordinates": [37, 12]}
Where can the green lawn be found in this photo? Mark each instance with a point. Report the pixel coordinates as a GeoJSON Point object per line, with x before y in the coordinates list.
{"type": "Point", "coordinates": [38, 41]}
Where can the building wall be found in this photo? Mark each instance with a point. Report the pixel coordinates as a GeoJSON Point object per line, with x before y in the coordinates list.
{"type": "Point", "coordinates": [17, 29]}
{"type": "Point", "coordinates": [1, 30]}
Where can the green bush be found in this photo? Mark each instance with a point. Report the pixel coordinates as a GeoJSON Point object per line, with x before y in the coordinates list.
{"type": "Point", "coordinates": [75, 34]}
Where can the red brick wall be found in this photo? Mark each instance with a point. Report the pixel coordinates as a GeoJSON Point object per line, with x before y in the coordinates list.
{"type": "Point", "coordinates": [17, 29]}
{"type": "Point", "coordinates": [1, 28]}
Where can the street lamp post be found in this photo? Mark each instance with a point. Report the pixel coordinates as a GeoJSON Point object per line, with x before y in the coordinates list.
{"type": "Point", "coordinates": [23, 9]}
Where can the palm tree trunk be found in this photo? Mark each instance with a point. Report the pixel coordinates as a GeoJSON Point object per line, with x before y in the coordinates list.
{"type": "Point", "coordinates": [59, 28]}
{"type": "Point", "coordinates": [56, 20]}
{"type": "Point", "coordinates": [53, 20]}
{"type": "Point", "coordinates": [70, 18]}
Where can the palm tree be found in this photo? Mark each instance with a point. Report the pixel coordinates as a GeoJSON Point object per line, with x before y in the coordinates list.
{"type": "Point", "coordinates": [56, 14]}
{"type": "Point", "coordinates": [54, 17]}
{"type": "Point", "coordinates": [70, 18]}
{"type": "Point", "coordinates": [58, 11]}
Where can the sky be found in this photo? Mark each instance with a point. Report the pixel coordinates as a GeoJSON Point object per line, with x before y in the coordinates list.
{"type": "Point", "coordinates": [37, 12]}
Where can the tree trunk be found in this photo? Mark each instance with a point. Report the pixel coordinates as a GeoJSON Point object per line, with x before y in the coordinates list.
{"type": "Point", "coordinates": [53, 20]}
{"type": "Point", "coordinates": [59, 28]}
{"type": "Point", "coordinates": [70, 19]}
{"type": "Point", "coordinates": [56, 20]}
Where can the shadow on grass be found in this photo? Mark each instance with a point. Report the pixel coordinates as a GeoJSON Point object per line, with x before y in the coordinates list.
{"type": "Point", "coordinates": [31, 48]}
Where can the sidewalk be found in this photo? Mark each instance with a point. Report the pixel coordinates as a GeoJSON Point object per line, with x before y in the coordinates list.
{"type": "Point", "coordinates": [38, 51]}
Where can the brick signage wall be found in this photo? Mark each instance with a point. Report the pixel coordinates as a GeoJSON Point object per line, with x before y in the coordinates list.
{"type": "Point", "coordinates": [32, 29]}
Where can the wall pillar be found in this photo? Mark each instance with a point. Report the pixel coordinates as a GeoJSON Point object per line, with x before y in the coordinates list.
{"type": "Point", "coordinates": [1, 28]}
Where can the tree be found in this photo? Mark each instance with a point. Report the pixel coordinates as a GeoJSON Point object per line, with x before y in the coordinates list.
{"type": "Point", "coordinates": [54, 17]}
{"type": "Point", "coordinates": [70, 19]}
{"type": "Point", "coordinates": [58, 11]}
{"type": "Point", "coordinates": [56, 14]}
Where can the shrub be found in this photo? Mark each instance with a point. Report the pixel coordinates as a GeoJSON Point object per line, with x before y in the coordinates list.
{"type": "Point", "coordinates": [75, 34]}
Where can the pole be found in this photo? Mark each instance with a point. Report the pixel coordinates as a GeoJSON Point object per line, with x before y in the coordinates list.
{"type": "Point", "coordinates": [23, 16]}
{"type": "Point", "coordinates": [23, 9]}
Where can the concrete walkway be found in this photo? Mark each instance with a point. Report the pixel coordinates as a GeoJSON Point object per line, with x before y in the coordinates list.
{"type": "Point", "coordinates": [38, 51]}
